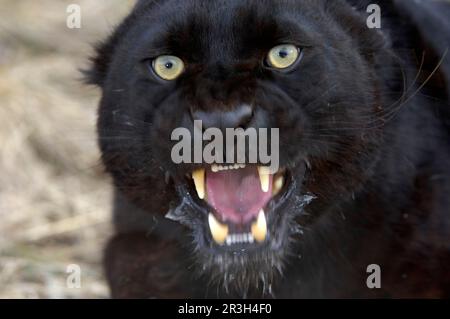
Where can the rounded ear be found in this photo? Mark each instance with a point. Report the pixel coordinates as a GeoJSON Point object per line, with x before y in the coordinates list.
{"type": "Point", "coordinates": [96, 73]}
{"type": "Point", "coordinates": [99, 62]}
{"type": "Point", "coordinates": [431, 18]}
{"type": "Point", "coordinates": [352, 16]}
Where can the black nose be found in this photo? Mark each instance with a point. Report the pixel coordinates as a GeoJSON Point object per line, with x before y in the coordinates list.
{"type": "Point", "coordinates": [238, 117]}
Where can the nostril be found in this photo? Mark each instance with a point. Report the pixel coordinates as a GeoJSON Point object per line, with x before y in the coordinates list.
{"type": "Point", "coordinates": [239, 117]}
{"type": "Point", "coordinates": [242, 116]}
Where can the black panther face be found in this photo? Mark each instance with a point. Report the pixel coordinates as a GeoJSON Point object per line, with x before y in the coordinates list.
{"type": "Point", "coordinates": [309, 68]}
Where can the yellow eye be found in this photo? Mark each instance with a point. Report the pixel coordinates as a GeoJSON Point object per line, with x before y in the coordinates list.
{"type": "Point", "coordinates": [168, 67]}
{"type": "Point", "coordinates": [283, 56]}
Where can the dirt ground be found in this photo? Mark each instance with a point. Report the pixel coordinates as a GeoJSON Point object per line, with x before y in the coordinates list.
{"type": "Point", "coordinates": [54, 196]}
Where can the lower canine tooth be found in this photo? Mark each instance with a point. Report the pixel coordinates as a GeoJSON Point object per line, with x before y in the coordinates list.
{"type": "Point", "coordinates": [219, 231]}
{"type": "Point", "coordinates": [264, 178]}
{"type": "Point", "coordinates": [278, 185]}
{"type": "Point", "coordinates": [199, 180]}
{"type": "Point", "coordinates": [259, 228]}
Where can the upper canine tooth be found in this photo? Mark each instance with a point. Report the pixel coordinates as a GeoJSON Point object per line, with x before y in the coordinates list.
{"type": "Point", "coordinates": [264, 178]}
{"type": "Point", "coordinates": [259, 228]}
{"type": "Point", "coordinates": [278, 185]}
{"type": "Point", "coordinates": [199, 180]}
{"type": "Point", "coordinates": [219, 231]}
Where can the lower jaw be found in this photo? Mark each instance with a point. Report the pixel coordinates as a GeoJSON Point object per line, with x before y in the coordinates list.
{"type": "Point", "coordinates": [246, 269]}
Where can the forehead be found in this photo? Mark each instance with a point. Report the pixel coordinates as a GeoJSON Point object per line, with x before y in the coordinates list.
{"type": "Point", "coordinates": [219, 26]}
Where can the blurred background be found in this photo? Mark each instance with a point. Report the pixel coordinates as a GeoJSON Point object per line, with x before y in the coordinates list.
{"type": "Point", "coordinates": [55, 199]}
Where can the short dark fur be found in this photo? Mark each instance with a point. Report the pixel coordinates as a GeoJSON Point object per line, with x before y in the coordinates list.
{"type": "Point", "coordinates": [357, 135]}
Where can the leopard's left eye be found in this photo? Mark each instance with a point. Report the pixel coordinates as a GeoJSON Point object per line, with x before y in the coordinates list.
{"type": "Point", "coordinates": [168, 67]}
{"type": "Point", "coordinates": [283, 56]}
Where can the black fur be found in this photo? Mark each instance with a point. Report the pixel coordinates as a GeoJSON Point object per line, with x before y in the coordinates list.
{"type": "Point", "coordinates": [364, 130]}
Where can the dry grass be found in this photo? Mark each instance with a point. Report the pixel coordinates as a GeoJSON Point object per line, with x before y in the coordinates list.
{"type": "Point", "coordinates": [54, 196]}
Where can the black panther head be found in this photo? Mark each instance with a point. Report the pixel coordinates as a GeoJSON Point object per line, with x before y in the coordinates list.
{"type": "Point", "coordinates": [312, 69]}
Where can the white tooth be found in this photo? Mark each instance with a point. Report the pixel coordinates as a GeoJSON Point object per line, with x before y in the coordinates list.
{"type": "Point", "coordinates": [264, 178]}
{"type": "Point", "coordinates": [228, 240]}
{"type": "Point", "coordinates": [250, 238]}
{"type": "Point", "coordinates": [199, 180]}
{"type": "Point", "coordinates": [214, 168]}
{"type": "Point", "coordinates": [278, 185]}
{"type": "Point", "coordinates": [259, 228]}
{"type": "Point", "coordinates": [219, 231]}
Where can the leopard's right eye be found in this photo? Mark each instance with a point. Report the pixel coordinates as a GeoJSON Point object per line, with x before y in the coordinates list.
{"type": "Point", "coordinates": [168, 67]}
{"type": "Point", "coordinates": [283, 56]}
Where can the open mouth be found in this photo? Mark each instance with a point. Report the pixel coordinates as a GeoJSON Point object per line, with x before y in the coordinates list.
{"type": "Point", "coordinates": [237, 197]}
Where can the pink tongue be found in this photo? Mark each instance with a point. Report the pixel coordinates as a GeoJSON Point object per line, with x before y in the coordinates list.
{"type": "Point", "coordinates": [236, 194]}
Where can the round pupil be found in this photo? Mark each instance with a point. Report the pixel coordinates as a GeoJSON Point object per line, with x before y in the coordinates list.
{"type": "Point", "coordinates": [283, 54]}
{"type": "Point", "coordinates": [169, 65]}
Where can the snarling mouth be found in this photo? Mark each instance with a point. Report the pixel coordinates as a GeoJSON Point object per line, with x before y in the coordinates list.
{"type": "Point", "coordinates": [237, 198]}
